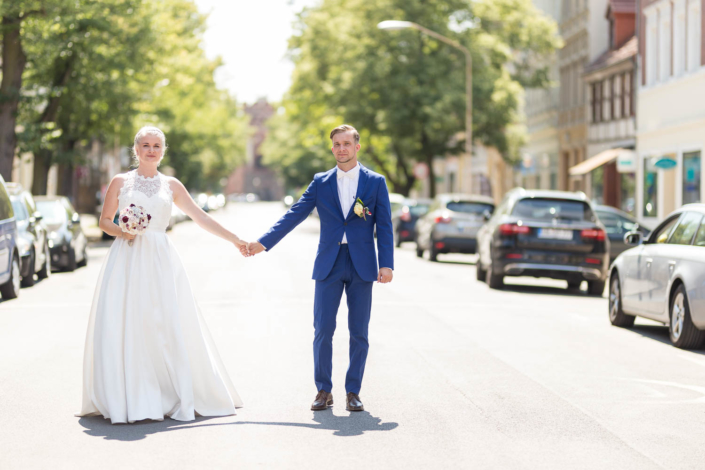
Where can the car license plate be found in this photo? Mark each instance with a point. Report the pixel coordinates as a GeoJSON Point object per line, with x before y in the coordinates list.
{"type": "Point", "coordinates": [555, 234]}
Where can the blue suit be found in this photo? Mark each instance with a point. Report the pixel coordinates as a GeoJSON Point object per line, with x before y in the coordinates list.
{"type": "Point", "coordinates": [351, 267]}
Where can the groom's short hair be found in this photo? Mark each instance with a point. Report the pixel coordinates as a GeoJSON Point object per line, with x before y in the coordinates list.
{"type": "Point", "coordinates": [346, 128]}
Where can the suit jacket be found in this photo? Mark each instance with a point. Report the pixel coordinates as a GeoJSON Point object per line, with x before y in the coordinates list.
{"type": "Point", "coordinates": [322, 194]}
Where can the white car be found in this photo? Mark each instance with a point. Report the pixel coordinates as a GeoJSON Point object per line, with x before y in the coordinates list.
{"type": "Point", "coordinates": [663, 277]}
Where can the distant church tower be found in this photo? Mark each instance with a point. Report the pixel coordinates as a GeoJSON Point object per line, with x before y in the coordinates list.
{"type": "Point", "coordinates": [254, 177]}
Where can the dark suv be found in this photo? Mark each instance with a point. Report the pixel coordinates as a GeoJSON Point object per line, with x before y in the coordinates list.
{"type": "Point", "coordinates": [551, 234]}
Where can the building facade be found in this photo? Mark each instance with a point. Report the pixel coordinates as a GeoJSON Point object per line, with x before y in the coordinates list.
{"type": "Point", "coordinates": [586, 36]}
{"type": "Point", "coordinates": [539, 163]}
{"type": "Point", "coordinates": [610, 82]}
{"type": "Point", "coordinates": [670, 114]}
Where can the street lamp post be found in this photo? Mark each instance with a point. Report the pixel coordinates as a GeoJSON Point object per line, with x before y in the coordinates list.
{"type": "Point", "coordinates": [398, 25]}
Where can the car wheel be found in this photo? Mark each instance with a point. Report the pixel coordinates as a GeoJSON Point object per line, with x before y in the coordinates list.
{"type": "Point", "coordinates": [71, 265]}
{"type": "Point", "coordinates": [480, 273]}
{"type": "Point", "coordinates": [28, 280]}
{"type": "Point", "coordinates": [617, 315]}
{"type": "Point", "coordinates": [11, 289]}
{"type": "Point", "coordinates": [84, 261]}
{"type": "Point", "coordinates": [574, 285]}
{"type": "Point", "coordinates": [683, 333]}
{"type": "Point", "coordinates": [596, 287]}
{"type": "Point", "coordinates": [45, 272]}
{"type": "Point", "coordinates": [419, 250]}
{"type": "Point", "coordinates": [495, 281]}
{"type": "Point", "coordinates": [433, 254]}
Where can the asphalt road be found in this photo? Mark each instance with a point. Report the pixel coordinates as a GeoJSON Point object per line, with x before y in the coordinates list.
{"type": "Point", "coordinates": [458, 376]}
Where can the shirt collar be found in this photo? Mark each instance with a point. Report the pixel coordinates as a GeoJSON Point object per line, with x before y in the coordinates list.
{"type": "Point", "coordinates": [353, 173]}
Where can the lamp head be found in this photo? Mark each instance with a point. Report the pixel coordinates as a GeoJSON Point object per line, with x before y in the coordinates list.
{"type": "Point", "coordinates": [393, 25]}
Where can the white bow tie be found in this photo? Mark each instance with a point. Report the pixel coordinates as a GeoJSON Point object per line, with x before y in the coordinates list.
{"type": "Point", "coordinates": [343, 174]}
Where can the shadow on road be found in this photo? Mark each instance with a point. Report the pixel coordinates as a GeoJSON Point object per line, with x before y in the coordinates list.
{"type": "Point", "coordinates": [354, 424]}
{"type": "Point", "coordinates": [660, 334]}
{"type": "Point", "coordinates": [528, 289]}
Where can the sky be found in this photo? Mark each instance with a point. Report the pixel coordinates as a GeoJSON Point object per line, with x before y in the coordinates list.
{"type": "Point", "coordinates": [251, 36]}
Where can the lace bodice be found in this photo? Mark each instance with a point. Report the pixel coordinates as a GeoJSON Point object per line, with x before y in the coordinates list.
{"type": "Point", "coordinates": [154, 194]}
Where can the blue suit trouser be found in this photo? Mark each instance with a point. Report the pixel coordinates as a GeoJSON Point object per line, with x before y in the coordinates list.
{"type": "Point", "coordinates": [329, 291]}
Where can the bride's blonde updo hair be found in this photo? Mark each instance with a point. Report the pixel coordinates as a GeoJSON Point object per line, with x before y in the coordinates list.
{"type": "Point", "coordinates": [145, 131]}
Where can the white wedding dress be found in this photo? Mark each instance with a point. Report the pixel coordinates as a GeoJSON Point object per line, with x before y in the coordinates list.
{"type": "Point", "coordinates": [148, 351]}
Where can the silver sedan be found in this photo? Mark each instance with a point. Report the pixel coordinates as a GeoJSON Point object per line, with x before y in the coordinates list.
{"type": "Point", "coordinates": [663, 278]}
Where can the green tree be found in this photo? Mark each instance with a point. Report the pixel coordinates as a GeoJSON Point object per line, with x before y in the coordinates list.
{"type": "Point", "coordinates": [404, 91]}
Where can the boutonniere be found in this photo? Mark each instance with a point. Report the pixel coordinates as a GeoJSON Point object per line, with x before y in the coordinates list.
{"type": "Point", "coordinates": [361, 210]}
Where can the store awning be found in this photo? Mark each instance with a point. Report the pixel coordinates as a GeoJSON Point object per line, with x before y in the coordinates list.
{"type": "Point", "coordinates": [598, 160]}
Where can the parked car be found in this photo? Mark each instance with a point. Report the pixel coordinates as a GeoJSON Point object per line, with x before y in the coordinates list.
{"type": "Point", "coordinates": [10, 276]}
{"type": "Point", "coordinates": [663, 277]}
{"type": "Point", "coordinates": [32, 240]}
{"type": "Point", "coordinates": [451, 224]}
{"type": "Point", "coordinates": [396, 200]}
{"type": "Point", "coordinates": [405, 218]}
{"type": "Point", "coordinates": [67, 242]}
{"type": "Point", "coordinates": [551, 234]}
{"type": "Point", "coordinates": [617, 224]}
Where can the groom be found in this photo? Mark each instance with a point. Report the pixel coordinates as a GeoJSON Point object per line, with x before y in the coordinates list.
{"type": "Point", "coordinates": [350, 200]}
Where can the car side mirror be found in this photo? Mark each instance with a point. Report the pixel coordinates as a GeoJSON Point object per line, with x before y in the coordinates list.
{"type": "Point", "coordinates": [76, 218]}
{"type": "Point", "coordinates": [487, 215]}
{"type": "Point", "coordinates": [37, 216]}
{"type": "Point", "coordinates": [634, 238]}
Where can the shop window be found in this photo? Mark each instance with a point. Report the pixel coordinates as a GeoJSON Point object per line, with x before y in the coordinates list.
{"type": "Point", "coordinates": [650, 190]}
{"type": "Point", "coordinates": [628, 193]}
{"type": "Point", "coordinates": [691, 177]}
{"type": "Point", "coordinates": [597, 179]}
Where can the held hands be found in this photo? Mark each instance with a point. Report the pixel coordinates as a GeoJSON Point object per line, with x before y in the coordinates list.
{"type": "Point", "coordinates": [241, 245]}
{"type": "Point", "coordinates": [385, 275]}
{"type": "Point", "coordinates": [255, 248]}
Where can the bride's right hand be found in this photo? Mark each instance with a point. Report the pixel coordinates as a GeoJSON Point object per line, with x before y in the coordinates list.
{"type": "Point", "coordinates": [127, 236]}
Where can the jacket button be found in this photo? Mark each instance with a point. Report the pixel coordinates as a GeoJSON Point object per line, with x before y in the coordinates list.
{"type": "Point", "coordinates": [345, 223]}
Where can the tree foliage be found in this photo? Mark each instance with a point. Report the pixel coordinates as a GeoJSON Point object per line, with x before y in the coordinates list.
{"type": "Point", "coordinates": [405, 91]}
{"type": "Point", "coordinates": [100, 69]}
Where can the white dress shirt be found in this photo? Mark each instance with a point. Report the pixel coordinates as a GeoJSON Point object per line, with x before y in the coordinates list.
{"type": "Point", "coordinates": [347, 189]}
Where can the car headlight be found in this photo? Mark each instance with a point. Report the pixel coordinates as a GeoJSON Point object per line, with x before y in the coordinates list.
{"type": "Point", "coordinates": [23, 245]}
{"type": "Point", "coordinates": [50, 243]}
{"type": "Point", "coordinates": [53, 235]}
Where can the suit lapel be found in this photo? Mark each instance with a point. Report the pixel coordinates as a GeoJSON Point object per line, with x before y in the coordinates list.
{"type": "Point", "coordinates": [333, 185]}
{"type": "Point", "coordinates": [361, 185]}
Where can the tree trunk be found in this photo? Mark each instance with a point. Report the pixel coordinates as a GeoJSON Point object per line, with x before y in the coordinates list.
{"type": "Point", "coordinates": [429, 161]}
{"type": "Point", "coordinates": [42, 162]}
{"type": "Point", "coordinates": [13, 64]}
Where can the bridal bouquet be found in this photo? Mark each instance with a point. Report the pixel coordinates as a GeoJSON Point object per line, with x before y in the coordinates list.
{"type": "Point", "coordinates": [134, 219]}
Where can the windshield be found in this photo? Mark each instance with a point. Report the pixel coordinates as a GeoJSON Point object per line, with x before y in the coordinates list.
{"type": "Point", "coordinates": [52, 212]}
{"type": "Point", "coordinates": [553, 209]}
{"type": "Point", "coordinates": [419, 209]}
{"type": "Point", "coordinates": [20, 211]}
{"type": "Point", "coordinates": [467, 207]}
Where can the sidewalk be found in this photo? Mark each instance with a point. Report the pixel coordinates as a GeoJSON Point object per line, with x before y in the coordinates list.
{"type": "Point", "coordinates": [89, 224]}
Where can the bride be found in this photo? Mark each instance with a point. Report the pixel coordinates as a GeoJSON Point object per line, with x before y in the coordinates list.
{"type": "Point", "coordinates": [148, 352]}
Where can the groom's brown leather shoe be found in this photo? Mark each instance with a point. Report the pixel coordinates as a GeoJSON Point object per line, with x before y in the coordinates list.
{"type": "Point", "coordinates": [353, 402]}
{"type": "Point", "coordinates": [323, 401]}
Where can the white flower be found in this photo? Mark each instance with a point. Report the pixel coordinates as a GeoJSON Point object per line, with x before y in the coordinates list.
{"type": "Point", "coordinates": [359, 210]}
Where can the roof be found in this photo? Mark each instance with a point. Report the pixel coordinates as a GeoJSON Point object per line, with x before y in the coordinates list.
{"type": "Point", "coordinates": [550, 194]}
{"type": "Point", "coordinates": [614, 56]}
{"type": "Point", "coordinates": [465, 197]}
